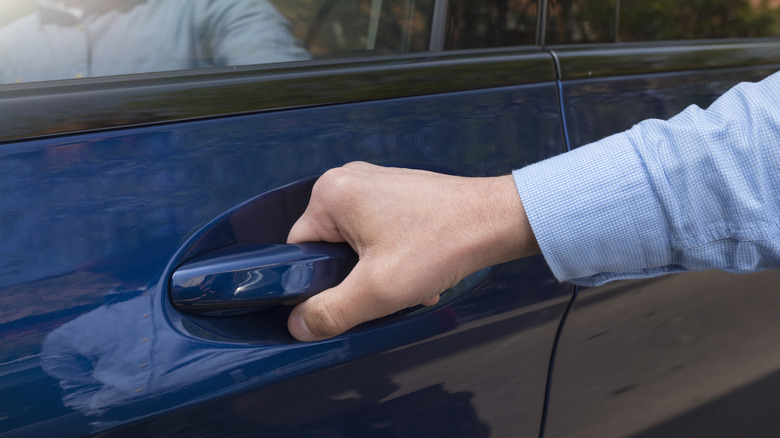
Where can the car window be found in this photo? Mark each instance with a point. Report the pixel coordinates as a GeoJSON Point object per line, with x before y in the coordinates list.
{"type": "Point", "coordinates": [42, 40]}
{"type": "Point", "coordinates": [45, 40]}
{"type": "Point", "coordinates": [491, 23]}
{"type": "Point", "coordinates": [332, 28]}
{"type": "Point", "coordinates": [577, 21]}
{"type": "Point", "coordinates": [62, 39]}
{"type": "Point", "coordinates": [14, 9]}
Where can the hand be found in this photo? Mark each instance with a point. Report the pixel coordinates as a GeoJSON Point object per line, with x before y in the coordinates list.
{"type": "Point", "coordinates": [417, 234]}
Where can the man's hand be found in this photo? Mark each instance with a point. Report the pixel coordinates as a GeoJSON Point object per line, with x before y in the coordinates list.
{"type": "Point", "coordinates": [417, 234]}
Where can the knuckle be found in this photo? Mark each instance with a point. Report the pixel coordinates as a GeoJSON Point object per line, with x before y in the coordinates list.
{"type": "Point", "coordinates": [340, 189]}
{"type": "Point", "coordinates": [334, 183]}
{"type": "Point", "coordinates": [357, 165]}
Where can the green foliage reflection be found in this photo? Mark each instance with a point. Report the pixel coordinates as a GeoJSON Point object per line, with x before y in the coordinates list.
{"type": "Point", "coordinates": [694, 19]}
{"type": "Point", "coordinates": [573, 21]}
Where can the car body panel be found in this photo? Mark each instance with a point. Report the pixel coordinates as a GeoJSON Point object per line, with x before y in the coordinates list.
{"type": "Point", "coordinates": [645, 357]}
{"type": "Point", "coordinates": [682, 355]}
{"type": "Point", "coordinates": [94, 223]}
{"type": "Point", "coordinates": [110, 183]}
{"type": "Point", "coordinates": [77, 105]}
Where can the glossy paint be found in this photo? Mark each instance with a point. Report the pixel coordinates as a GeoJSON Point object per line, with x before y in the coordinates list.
{"type": "Point", "coordinates": [592, 61]}
{"type": "Point", "coordinates": [677, 356]}
{"type": "Point", "coordinates": [682, 355]}
{"type": "Point", "coordinates": [78, 105]}
{"type": "Point", "coordinates": [94, 225]}
{"type": "Point", "coordinates": [598, 108]}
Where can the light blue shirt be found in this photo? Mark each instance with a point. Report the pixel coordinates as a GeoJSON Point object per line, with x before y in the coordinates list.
{"type": "Point", "coordinates": [113, 37]}
{"type": "Point", "coordinates": [696, 192]}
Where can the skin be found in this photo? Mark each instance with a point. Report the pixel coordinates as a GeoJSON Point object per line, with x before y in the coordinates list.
{"type": "Point", "coordinates": [417, 234]}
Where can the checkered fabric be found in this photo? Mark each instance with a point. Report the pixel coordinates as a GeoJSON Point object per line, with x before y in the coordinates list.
{"type": "Point", "coordinates": [699, 191]}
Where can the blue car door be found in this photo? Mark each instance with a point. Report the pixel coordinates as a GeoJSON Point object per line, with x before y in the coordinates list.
{"type": "Point", "coordinates": [110, 183]}
{"type": "Point", "coordinates": [685, 354]}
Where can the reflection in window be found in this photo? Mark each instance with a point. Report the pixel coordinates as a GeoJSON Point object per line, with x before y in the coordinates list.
{"type": "Point", "coordinates": [333, 28]}
{"type": "Point", "coordinates": [62, 39]}
{"type": "Point", "coordinates": [644, 21]}
{"type": "Point", "coordinates": [580, 21]}
{"type": "Point", "coordinates": [337, 28]}
{"type": "Point", "coordinates": [493, 23]}
{"type": "Point", "coordinates": [576, 21]}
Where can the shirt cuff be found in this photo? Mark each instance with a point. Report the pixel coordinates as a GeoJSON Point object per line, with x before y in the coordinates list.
{"type": "Point", "coordinates": [594, 214]}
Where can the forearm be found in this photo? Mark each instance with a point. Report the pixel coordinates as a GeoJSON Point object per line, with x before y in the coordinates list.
{"type": "Point", "coordinates": [699, 191]}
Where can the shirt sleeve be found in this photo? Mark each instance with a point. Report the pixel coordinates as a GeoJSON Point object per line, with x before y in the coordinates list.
{"type": "Point", "coordinates": [243, 32]}
{"type": "Point", "coordinates": [696, 192]}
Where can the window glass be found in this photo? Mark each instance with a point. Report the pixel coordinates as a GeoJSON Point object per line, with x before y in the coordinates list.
{"type": "Point", "coordinates": [491, 23]}
{"type": "Point", "coordinates": [61, 39]}
{"type": "Point", "coordinates": [337, 28]}
{"type": "Point", "coordinates": [695, 19]}
{"type": "Point", "coordinates": [11, 10]}
{"type": "Point", "coordinates": [574, 21]}
{"type": "Point", "coordinates": [580, 21]}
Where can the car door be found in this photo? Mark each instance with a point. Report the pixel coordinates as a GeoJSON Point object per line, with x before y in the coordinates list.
{"type": "Point", "coordinates": [110, 183]}
{"type": "Point", "coordinates": [686, 354]}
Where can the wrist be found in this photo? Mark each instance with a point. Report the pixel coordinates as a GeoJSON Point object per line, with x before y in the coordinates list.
{"type": "Point", "coordinates": [510, 233]}
{"type": "Point", "coordinates": [496, 220]}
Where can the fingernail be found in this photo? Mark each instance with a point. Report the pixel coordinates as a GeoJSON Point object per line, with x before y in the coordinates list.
{"type": "Point", "coordinates": [299, 329]}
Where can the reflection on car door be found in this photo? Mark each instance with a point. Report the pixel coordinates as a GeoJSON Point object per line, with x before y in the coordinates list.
{"type": "Point", "coordinates": [682, 355]}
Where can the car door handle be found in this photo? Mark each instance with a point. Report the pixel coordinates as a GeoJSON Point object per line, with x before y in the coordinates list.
{"type": "Point", "coordinates": [246, 278]}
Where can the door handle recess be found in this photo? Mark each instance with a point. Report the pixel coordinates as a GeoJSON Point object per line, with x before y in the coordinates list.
{"type": "Point", "coordinates": [247, 278]}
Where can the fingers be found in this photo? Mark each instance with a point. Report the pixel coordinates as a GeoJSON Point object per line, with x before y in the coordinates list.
{"type": "Point", "coordinates": [431, 301]}
{"type": "Point", "coordinates": [333, 193]}
{"type": "Point", "coordinates": [316, 224]}
{"type": "Point", "coordinates": [302, 231]}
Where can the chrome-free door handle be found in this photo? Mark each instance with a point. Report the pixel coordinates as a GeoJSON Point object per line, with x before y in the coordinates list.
{"type": "Point", "coordinates": [246, 278]}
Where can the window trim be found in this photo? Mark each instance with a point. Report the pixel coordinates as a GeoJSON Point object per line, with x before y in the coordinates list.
{"type": "Point", "coordinates": [599, 60]}
{"type": "Point", "coordinates": [439, 26]}
{"type": "Point", "coordinates": [43, 109]}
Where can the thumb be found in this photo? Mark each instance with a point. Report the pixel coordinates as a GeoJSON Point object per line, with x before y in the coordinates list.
{"type": "Point", "coordinates": [336, 310]}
